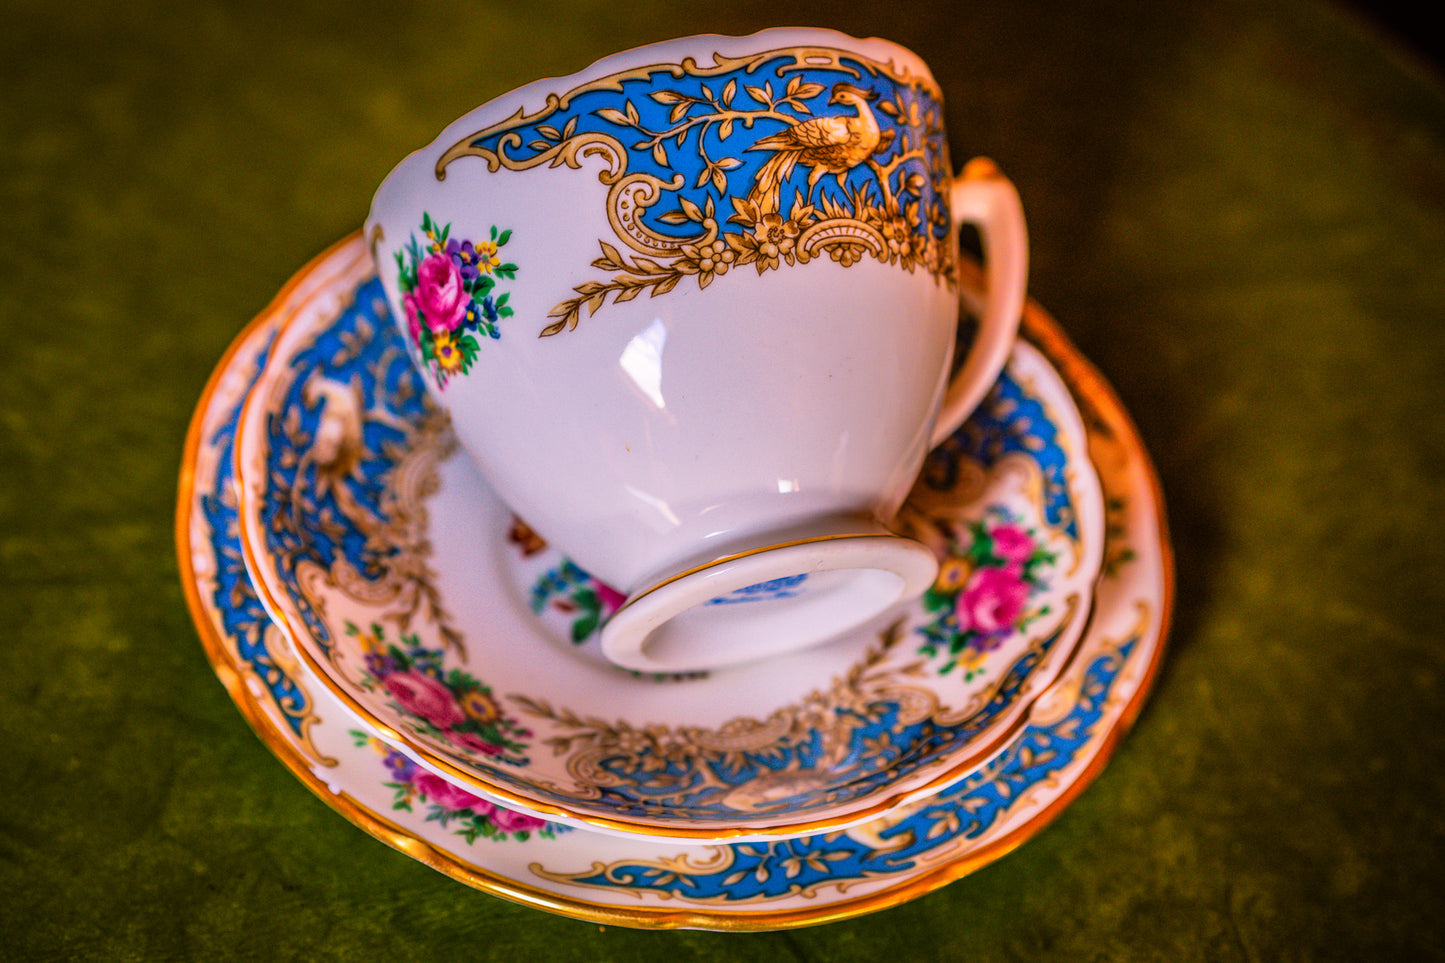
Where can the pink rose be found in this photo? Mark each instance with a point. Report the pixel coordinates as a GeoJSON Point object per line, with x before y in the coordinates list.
{"type": "Point", "coordinates": [475, 743]}
{"type": "Point", "coordinates": [449, 797]}
{"type": "Point", "coordinates": [413, 316]}
{"type": "Point", "coordinates": [509, 821]}
{"type": "Point", "coordinates": [992, 600]}
{"type": "Point", "coordinates": [424, 696]}
{"type": "Point", "coordinates": [1012, 544]}
{"type": "Point", "coordinates": [440, 295]}
{"type": "Point", "coordinates": [610, 599]}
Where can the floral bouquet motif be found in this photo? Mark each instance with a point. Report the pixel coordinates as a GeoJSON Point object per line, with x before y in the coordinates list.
{"type": "Point", "coordinates": [570, 591]}
{"type": "Point", "coordinates": [448, 705]}
{"type": "Point", "coordinates": [448, 292]}
{"type": "Point", "coordinates": [475, 817]}
{"type": "Point", "coordinates": [983, 591]}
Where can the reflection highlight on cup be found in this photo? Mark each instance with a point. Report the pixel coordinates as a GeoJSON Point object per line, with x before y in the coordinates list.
{"type": "Point", "coordinates": [641, 360]}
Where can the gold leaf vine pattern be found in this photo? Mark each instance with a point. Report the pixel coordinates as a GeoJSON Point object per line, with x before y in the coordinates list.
{"type": "Point", "coordinates": [879, 134]}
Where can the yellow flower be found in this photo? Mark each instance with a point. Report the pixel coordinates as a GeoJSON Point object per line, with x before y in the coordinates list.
{"type": "Point", "coordinates": [952, 573]}
{"type": "Point", "coordinates": [479, 706]}
{"type": "Point", "coordinates": [448, 354]}
{"type": "Point", "coordinates": [369, 642]}
{"type": "Point", "coordinates": [487, 257]}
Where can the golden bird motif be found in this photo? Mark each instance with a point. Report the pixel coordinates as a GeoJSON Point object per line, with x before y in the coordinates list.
{"type": "Point", "coordinates": [829, 145]}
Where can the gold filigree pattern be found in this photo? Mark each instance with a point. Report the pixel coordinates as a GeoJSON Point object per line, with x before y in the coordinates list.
{"type": "Point", "coordinates": [396, 577]}
{"type": "Point", "coordinates": [677, 763]}
{"type": "Point", "coordinates": [682, 212]}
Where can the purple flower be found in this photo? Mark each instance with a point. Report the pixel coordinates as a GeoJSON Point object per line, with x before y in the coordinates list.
{"type": "Point", "coordinates": [402, 768]}
{"type": "Point", "coordinates": [380, 665]}
{"type": "Point", "coordinates": [464, 256]}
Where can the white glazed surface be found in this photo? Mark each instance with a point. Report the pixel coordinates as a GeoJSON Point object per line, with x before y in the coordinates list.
{"type": "Point", "coordinates": [441, 567]}
{"type": "Point", "coordinates": [649, 883]}
{"type": "Point", "coordinates": [664, 427]}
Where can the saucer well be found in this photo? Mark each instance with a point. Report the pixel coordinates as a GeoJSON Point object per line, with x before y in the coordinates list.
{"type": "Point", "coordinates": [1072, 728]}
{"type": "Point", "coordinates": [458, 638]}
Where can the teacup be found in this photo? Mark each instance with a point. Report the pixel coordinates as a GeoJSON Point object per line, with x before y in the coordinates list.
{"type": "Point", "coordinates": [692, 312]}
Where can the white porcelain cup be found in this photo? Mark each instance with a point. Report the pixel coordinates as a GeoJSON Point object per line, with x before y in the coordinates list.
{"type": "Point", "coordinates": [692, 312]}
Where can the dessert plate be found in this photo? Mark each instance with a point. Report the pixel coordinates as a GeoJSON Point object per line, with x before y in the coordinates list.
{"type": "Point", "coordinates": [455, 635]}
{"type": "Point", "coordinates": [1072, 729]}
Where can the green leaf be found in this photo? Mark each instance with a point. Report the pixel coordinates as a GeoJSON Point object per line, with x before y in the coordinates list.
{"type": "Point", "coordinates": [583, 627]}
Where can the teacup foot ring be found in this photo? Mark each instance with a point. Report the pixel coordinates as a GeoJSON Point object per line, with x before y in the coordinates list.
{"type": "Point", "coordinates": [778, 597]}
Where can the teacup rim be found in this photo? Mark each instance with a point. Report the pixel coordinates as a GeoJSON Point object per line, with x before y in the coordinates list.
{"type": "Point", "coordinates": [543, 93]}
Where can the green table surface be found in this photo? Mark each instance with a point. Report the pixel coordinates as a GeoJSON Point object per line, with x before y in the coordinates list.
{"type": "Point", "coordinates": [1237, 211]}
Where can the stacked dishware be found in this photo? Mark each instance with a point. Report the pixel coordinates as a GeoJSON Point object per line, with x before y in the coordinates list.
{"type": "Point", "coordinates": [652, 517]}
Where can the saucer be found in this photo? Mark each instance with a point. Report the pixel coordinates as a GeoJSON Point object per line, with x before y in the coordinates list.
{"type": "Point", "coordinates": [455, 635]}
{"type": "Point", "coordinates": [1072, 729]}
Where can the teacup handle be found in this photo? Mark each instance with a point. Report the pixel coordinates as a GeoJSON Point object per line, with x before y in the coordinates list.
{"type": "Point", "coordinates": [983, 196]}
